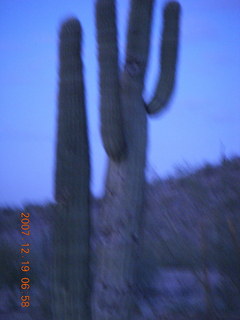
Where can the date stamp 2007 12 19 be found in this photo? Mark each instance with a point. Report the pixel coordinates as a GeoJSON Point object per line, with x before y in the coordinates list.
{"type": "Point", "coordinates": [25, 263]}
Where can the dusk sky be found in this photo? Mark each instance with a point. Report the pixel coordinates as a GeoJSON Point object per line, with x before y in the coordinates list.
{"type": "Point", "coordinates": [202, 119]}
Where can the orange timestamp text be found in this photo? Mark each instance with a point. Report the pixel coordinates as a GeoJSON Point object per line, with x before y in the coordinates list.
{"type": "Point", "coordinates": [25, 265]}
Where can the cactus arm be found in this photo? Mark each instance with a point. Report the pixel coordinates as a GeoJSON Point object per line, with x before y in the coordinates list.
{"type": "Point", "coordinates": [138, 38]}
{"type": "Point", "coordinates": [169, 53]}
{"type": "Point", "coordinates": [111, 117]}
{"type": "Point", "coordinates": [71, 271]}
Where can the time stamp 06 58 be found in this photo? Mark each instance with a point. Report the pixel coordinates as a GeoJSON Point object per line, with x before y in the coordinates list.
{"type": "Point", "coordinates": [25, 264]}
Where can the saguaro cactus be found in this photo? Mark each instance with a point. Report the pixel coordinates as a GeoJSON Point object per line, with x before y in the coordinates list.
{"type": "Point", "coordinates": [71, 273]}
{"type": "Point", "coordinates": [124, 133]}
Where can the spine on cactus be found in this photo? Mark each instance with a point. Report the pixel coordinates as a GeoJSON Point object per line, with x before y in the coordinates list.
{"type": "Point", "coordinates": [111, 114]}
{"type": "Point", "coordinates": [71, 272]}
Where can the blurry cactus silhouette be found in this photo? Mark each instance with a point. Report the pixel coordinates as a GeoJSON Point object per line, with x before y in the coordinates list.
{"type": "Point", "coordinates": [124, 134]}
{"type": "Point", "coordinates": [71, 277]}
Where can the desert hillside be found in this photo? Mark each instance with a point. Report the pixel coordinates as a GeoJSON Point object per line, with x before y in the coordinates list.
{"type": "Point", "coordinates": [190, 258]}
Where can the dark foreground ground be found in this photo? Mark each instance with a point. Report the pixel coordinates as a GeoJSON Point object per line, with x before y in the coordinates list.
{"type": "Point", "coordinates": [190, 266]}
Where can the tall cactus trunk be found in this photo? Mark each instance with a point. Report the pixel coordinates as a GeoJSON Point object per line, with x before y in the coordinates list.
{"type": "Point", "coordinates": [119, 236]}
{"type": "Point", "coordinates": [71, 272]}
{"type": "Point", "coordinates": [120, 215]}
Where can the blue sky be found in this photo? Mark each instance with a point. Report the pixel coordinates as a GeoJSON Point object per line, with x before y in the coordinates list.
{"type": "Point", "coordinates": [201, 121]}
